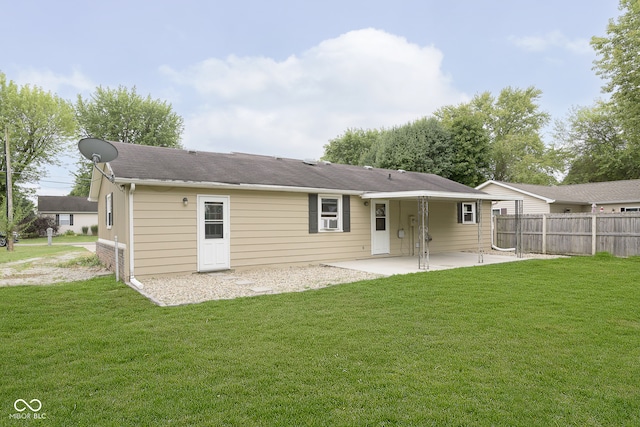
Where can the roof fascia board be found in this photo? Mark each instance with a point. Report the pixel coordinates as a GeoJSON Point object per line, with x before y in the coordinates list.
{"type": "Point", "coordinates": [615, 202]}
{"type": "Point", "coordinates": [509, 187]}
{"type": "Point", "coordinates": [436, 195]}
{"type": "Point", "coordinates": [227, 186]}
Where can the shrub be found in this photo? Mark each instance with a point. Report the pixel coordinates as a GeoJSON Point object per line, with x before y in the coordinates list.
{"type": "Point", "coordinates": [38, 226]}
{"type": "Point", "coordinates": [85, 230]}
{"type": "Point", "coordinates": [94, 230]}
{"type": "Point", "coordinates": [69, 233]}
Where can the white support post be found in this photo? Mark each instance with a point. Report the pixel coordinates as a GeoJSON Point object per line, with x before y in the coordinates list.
{"type": "Point", "coordinates": [479, 219]}
{"type": "Point", "coordinates": [423, 233]}
{"type": "Point", "coordinates": [519, 228]}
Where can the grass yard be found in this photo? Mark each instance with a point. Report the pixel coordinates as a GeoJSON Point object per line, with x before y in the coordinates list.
{"type": "Point", "coordinates": [25, 252]}
{"type": "Point", "coordinates": [63, 238]}
{"type": "Point", "coordinates": [532, 343]}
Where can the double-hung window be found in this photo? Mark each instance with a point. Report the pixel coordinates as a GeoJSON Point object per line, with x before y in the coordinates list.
{"type": "Point", "coordinates": [64, 219]}
{"type": "Point", "coordinates": [330, 212]}
{"type": "Point", "coordinates": [468, 213]}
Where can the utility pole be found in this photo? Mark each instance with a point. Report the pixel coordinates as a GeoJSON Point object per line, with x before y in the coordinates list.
{"type": "Point", "coordinates": [7, 153]}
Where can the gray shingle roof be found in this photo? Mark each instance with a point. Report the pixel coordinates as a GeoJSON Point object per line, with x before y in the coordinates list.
{"type": "Point", "coordinates": [598, 192]}
{"type": "Point", "coordinates": [138, 162]}
{"type": "Point", "coordinates": [66, 204]}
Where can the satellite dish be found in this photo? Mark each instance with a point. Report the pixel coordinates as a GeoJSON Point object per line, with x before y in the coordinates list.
{"type": "Point", "coordinates": [98, 151]}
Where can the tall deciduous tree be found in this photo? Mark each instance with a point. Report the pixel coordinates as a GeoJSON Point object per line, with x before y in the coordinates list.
{"type": "Point", "coordinates": [597, 148]}
{"type": "Point", "coordinates": [424, 145]}
{"type": "Point", "coordinates": [470, 150]}
{"type": "Point", "coordinates": [123, 115]}
{"type": "Point", "coordinates": [40, 126]}
{"type": "Point", "coordinates": [351, 147]}
{"type": "Point", "coordinates": [619, 65]}
{"type": "Point", "coordinates": [514, 122]}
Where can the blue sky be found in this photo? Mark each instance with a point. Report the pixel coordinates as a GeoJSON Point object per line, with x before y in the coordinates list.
{"type": "Point", "coordinates": [284, 77]}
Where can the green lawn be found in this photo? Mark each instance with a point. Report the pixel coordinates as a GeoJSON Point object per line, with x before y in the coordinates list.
{"type": "Point", "coordinates": [64, 238]}
{"type": "Point", "coordinates": [532, 343]}
{"type": "Point", "coordinates": [21, 252]}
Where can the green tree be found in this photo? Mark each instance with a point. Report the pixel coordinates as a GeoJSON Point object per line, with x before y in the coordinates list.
{"type": "Point", "coordinates": [513, 122]}
{"type": "Point", "coordinates": [424, 145]}
{"type": "Point", "coordinates": [352, 147]}
{"type": "Point", "coordinates": [619, 65]}
{"type": "Point", "coordinates": [123, 115]}
{"type": "Point", "coordinates": [470, 150]}
{"type": "Point", "coordinates": [596, 146]}
{"type": "Point", "coordinates": [40, 126]}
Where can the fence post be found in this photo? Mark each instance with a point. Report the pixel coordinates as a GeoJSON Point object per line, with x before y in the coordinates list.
{"type": "Point", "coordinates": [544, 233]}
{"type": "Point", "coordinates": [593, 235]}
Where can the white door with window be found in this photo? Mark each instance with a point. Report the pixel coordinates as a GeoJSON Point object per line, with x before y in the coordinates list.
{"type": "Point", "coordinates": [380, 227]}
{"type": "Point", "coordinates": [213, 233]}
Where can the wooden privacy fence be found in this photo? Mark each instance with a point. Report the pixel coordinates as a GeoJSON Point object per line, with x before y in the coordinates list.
{"type": "Point", "coordinates": [571, 234]}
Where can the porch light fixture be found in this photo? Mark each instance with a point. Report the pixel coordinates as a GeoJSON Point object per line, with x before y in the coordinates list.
{"type": "Point", "coordinates": [185, 201]}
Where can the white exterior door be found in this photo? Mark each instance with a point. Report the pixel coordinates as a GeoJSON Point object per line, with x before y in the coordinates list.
{"type": "Point", "coordinates": [380, 227]}
{"type": "Point", "coordinates": [213, 233]}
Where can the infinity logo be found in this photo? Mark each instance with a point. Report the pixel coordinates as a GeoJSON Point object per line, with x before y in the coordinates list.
{"type": "Point", "coordinates": [21, 405]}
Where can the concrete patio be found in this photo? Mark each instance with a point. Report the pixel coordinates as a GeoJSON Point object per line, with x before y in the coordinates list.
{"type": "Point", "coordinates": [389, 266]}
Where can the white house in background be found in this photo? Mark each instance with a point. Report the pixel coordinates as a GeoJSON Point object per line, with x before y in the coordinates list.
{"type": "Point", "coordinates": [71, 213]}
{"type": "Point", "coordinates": [612, 196]}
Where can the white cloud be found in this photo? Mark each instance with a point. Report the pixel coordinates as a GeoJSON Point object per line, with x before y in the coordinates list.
{"type": "Point", "coordinates": [66, 86]}
{"type": "Point", "coordinates": [553, 39]}
{"type": "Point", "coordinates": [363, 79]}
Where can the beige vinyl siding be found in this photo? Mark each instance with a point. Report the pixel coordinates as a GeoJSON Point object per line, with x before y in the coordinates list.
{"type": "Point", "coordinates": [165, 239]}
{"type": "Point", "coordinates": [272, 228]}
{"type": "Point", "coordinates": [568, 208]}
{"type": "Point", "coordinates": [447, 235]}
{"type": "Point", "coordinates": [530, 205]}
{"type": "Point", "coordinates": [120, 226]}
{"type": "Point", "coordinates": [266, 228]}
{"type": "Point", "coordinates": [617, 207]}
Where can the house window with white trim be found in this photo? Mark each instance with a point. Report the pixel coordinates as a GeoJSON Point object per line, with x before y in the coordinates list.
{"type": "Point", "coordinates": [468, 213]}
{"type": "Point", "coordinates": [330, 213]}
{"type": "Point", "coordinates": [109, 210]}
{"type": "Point", "coordinates": [64, 219]}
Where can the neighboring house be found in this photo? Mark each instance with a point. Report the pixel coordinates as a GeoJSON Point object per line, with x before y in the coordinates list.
{"type": "Point", "coordinates": [613, 196]}
{"type": "Point", "coordinates": [177, 211]}
{"type": "Point", "coordinates": [70, 213]}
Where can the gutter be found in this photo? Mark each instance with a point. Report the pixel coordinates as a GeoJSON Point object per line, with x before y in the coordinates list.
{"type": "Point", "coordinates": [228, 186]}
{"type": "Point", "coordinates": [132, 277]}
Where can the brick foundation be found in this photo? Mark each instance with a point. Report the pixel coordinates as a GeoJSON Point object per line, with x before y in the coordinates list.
{"type": "Point", "coordinates": [106, 254]}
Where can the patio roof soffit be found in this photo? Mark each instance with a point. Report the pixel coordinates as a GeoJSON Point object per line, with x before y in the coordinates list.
{"type": "Point", "coordinates": [436, 195]}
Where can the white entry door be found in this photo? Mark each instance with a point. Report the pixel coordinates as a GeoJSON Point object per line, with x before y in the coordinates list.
{"type": "Point", "coordinates": [380, 227]}
{"type": "Point", "coordinates": [213, 233]}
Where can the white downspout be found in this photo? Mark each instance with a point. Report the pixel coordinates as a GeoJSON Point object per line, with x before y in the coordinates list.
{"type": "Point", "coordinates": [132, 277]}
{"type": "Point", "coordinates": [493, 246]}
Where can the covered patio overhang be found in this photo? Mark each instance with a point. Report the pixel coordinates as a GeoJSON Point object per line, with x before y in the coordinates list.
{"type": "Point", "coordinates": [424, 196]}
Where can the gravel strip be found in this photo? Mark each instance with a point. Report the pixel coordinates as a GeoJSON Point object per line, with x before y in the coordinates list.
{"type": "Point", "coordinates": [194, 288]}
